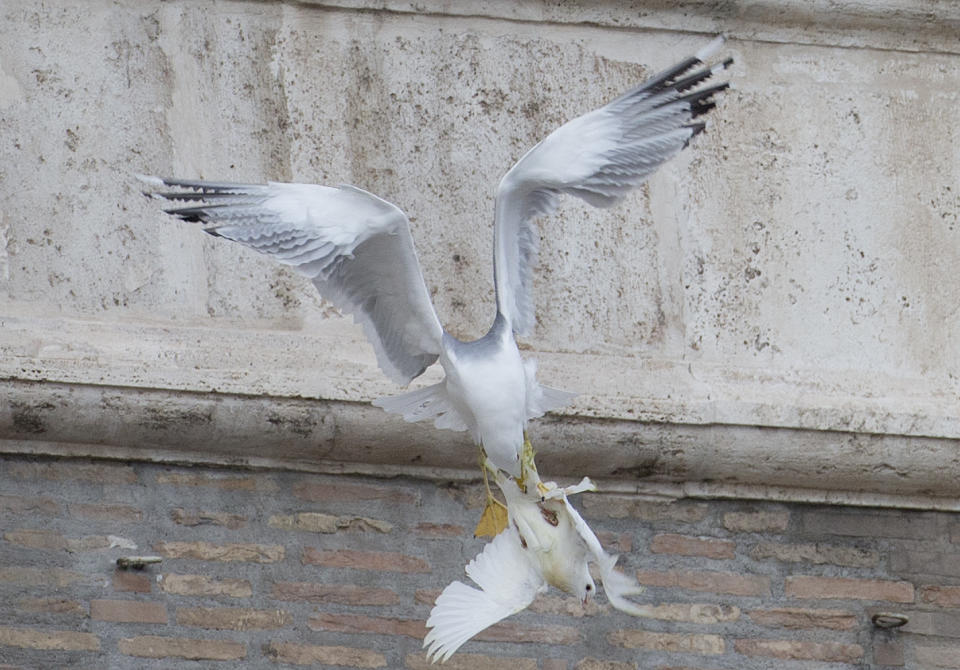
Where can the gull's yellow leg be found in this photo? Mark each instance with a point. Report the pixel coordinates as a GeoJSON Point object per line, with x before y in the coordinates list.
{"type": "Point", "coordinates": [528, 468]}
{"type": "Point", "coordinates": [494, 517]}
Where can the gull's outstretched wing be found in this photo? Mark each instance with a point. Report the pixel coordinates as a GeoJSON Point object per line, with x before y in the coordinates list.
{"type": "Point", "coordinates": [355, 247]}
{"type": "Point", "coordinates": [509, 583]}
{"type": "Point", "coordinates": [597, 157]}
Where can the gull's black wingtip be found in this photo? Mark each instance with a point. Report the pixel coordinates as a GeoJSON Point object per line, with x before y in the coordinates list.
{"type": "Point", "coordinates": [695, 129]}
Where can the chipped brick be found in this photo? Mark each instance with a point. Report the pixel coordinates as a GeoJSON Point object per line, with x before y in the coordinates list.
{"type": "Point", "coordinates": [688, 643]}
{"type": "Point", "coordinates": [940, 624]}
{"type": "Point", "coordinates": [939, 657]}
{"type": "Point", "coordinates": [596, 664]}
{"type": "Point", "coordinates": [339, 492]}
{"type": "Point", "coordinates": [201, 585]}
{"type": "Point", "coordinates": [27, 505]}
{"type": "Point", "coordinates": [797, 650]}
{"type": "Point", "coordinates": [941, 596]}
{"type": "Point", "coordinates": [155, 646]}
{"type": "Point", "coordinates": [840, 588]}
{"type": "Point", "coordinates": [99, 473]}
{"type": "Point", "coordinates": [232, 618]}
{"type": "Point", "coordinates": [222, 482]}
{"type": "Point", "coordinates": [61, 640]}
{"type": "Point", "coordinates": [343, 594]}
{"type": "Point", "coordinates": [128, 611]}
{"type": "Point", "coordinates": [355, 623]}
{"type": "Point", "coordinates": [36, 539]}
{"type": "Point", "coordinates": [913, 561]}
{"type": "Point", "coordinates": [196, 518]}
{"type": "Point", "coordinates": [546, 604]}
{"type": "Point", "coordinates": [53, 541]}
{"type": "Point", "coordinates": [137, 582]}
{"type": "Point", "coordinates": [690, 612]}
{"type": "Point", "coordinates": [765, 521]}
{"type": "Point", "coordinates": [56, 577]}
{"type": "Point", "coordinates": [799, 618]}
{"type": "Point", "coordinates": [105, 512]}
{"type": "Point", "coordinates": [686, 545]}
{"type": "Point", "coordinates": [317, 522]}
{"type": "Point", "coordinates": [817, 554]}
{"type": "Point", "coordinates": [312, 654]}
{"type": "Point", "coordinates": [379, 561]}
{"type": "Point", "coordinates": [617, 543]}
{"type": "Point", "coordinates": [888, 653]}
{"type": "Point", "coordinates": [207, 551]}
{"type": "Point", "coordinates": [914, 526]}
{"type": "Point", "coordinates": [716, 582]}
{"type": "Point", "coordinates": [52, 606]}
{"type": "Point", "coordinates": [622, 506]}
{"type": "Point", "coordinates": [509, 631]}
{"type": "Point", "coordinates": [462, 661]}
{"type": "Point", "coordinates": [442, 530]}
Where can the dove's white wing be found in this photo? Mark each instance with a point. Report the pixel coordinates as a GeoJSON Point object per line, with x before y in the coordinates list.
{"type": "Point", "coordinates": [355, 247]}
{"type": "Point", "coordinates": [509, 583]}
{"type": "Point", "coordinates": [598, 157]}
{"type": "Point", "coordinates": [616, 585]}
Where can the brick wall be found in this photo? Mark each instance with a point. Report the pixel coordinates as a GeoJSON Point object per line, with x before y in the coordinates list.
{"type": "Point", "coordinates": [276, 569]}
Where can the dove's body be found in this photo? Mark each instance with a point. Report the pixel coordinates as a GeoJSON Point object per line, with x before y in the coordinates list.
{"type": "Point", "coordinates": [546, 542]}
{"type": "Point", "coordinates": [549, 537]}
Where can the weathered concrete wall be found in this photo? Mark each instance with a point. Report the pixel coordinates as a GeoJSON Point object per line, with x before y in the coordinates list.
{"type": "Point", "coordinates": [793, 270]}
{"type": "Point", "coordinates": [277, 569]}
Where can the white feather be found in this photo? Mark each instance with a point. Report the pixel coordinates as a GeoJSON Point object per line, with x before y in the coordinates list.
{"type": "Point", "coordinates": [431, 402]}
{"type": "Point", "coordinates": [598, 157]}
{"type": "Point", "coordinates": [508, 584]}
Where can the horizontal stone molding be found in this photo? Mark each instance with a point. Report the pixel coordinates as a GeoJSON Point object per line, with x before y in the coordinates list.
{"type": "Point", "coordinates": [909, 25]}
{"type": "Point", "coordinates": [333, 362]}
{"type": "Point", "coordinates": [659, 459]}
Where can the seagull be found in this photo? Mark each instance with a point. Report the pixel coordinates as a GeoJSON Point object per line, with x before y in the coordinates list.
{"type": "Point", "coordinates": [358, 251]}
{"type": "Point", "coordinates": [546, 542]}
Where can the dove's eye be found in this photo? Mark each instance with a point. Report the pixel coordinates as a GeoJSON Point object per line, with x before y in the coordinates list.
{"type": "Point", "coordinates": [589, 587]}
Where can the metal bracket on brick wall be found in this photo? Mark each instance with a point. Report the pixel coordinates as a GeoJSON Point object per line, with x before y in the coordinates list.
{"type": "Point", "coordinates": [889, 620]}
{"type": "Point", "coordinates": [137, 562]}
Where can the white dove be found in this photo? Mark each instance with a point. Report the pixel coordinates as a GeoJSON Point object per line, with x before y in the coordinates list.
{"type": "Point", "coordinates": [358, 251]}
{"type": "Point", "coordinates": [546, 542]}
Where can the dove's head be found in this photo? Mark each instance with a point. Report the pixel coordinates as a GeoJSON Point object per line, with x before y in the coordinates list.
{"type": "Point", "coordinates": [586, 588]}
{"type": "Point", "coordinates": [576, 581]}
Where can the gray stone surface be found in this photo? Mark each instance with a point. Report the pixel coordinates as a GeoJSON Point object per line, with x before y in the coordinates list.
{"type": "Point", "coordinates": [793, 270]}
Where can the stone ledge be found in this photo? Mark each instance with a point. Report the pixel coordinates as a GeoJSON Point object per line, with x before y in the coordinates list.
{"type": "Point", "coordinates": [149, 424]}
{"type": "Point", "coordinates": [908, 25]}
{"type": "Point", "coordinates": [331, 361]}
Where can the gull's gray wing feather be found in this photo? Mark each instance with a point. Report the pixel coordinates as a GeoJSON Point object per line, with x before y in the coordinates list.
{"type": "Point", "coordinates": [355, 247]}
{"type": "Point", "coordinates": [597, 157]}
{"type": "Point", "coordinates": [509, 583]}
